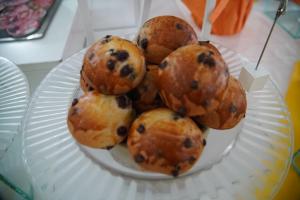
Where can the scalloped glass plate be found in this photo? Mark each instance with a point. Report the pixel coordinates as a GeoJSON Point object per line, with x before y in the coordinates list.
{"type": "Point", "coordinates": [246, 162]}
{"type": "Point", "coordinates": [14, 98]}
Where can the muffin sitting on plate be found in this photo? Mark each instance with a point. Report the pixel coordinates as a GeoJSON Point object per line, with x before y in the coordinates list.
{"type": "Point", "coordinates": [161, 35]}
{"type": "Point", "coordinates": [112, 66]}
{"type": "Point", "coordinates": [192, 79]}
{"type": "Point", "coordinates": [162, 141]}
{"type": "Point", "coordinates": [100, 121]}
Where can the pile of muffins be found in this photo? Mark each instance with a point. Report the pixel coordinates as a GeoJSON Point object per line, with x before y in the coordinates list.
{"type": "Point", "coordinates": [156, 93]}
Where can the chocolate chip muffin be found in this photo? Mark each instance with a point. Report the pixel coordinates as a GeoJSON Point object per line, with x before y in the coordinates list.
{"type": "Point", "coordinates": [98, 120]}
{"type": "Point", "coordinates": [162, 141]}
{"type": "Point", "coordinates": [231, 110]}
{"type": "Point", "coordinates": [192, 79]}
{"type": "Point", "coordinates": [161, 35]}
{"type": "Point", "coordinates": [145, 96]}
{"type": "Point", "coordinates": [113, 66]}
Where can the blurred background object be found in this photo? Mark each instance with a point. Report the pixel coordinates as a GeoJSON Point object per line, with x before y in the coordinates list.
{"type": "Point", "coordinates": [25, 19]}
{"type": "Point", "coordinates": [121, 17]}
{"type": "Point", "coordinates": [227, 18]}
{"type": "Point", "coordinates": [15, 182]}
{"type": "Point", "coordinates": [290, 188]}
{"type": "Point", "coordinates": [37, 57]}
{"type": "Point", "coordinates": [290, 22]}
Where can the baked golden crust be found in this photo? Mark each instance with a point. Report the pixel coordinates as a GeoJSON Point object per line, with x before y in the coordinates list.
{"type": "Point", "coordinates": [192, 80]}
{"type": "Point", "coordinates": [161, 141]}
{"type": "Point", "coordinates": [161, 35]}
{"type": "Point", "coordinates": [113, 66]}
{"type": "Point", "coordinates": [231, 110]}
{"type": "Point", "coordinates": [146, 96]}
{"type": "Point", "coordinates": [100, 121]}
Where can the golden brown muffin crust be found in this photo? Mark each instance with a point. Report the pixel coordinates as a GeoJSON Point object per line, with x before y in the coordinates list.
{"type": "Point", "coordinates": [98, 120]}
{"type": "Point", "coordinates": [146, 96]}
{"type": "Point", "coordinates": [113, 66]}
{"type": "Point", "coordinates": [231, 110]}
{"type": "Point", "coordinates": [159, 140]}
{"type": "Point", "coordinates": [161, 35]}
{"type": "Point", "coordinates": [192, 80]}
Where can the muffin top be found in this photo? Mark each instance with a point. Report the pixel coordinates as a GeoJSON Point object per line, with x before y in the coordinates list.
{"type": "Point", "coordinates": [192, 80]}
{"type": "Point", "coordinates": [231, 110]}
{"type": "Point", "coordinates": [160, 140]}
{"type": "Point", "coordinates": [161, 35]}
{"type": "Point", "coordinates": [99, 120]}
{"type": "Point", "coordinates": [113, 66]}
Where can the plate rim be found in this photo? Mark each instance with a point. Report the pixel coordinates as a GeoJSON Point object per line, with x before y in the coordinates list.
{"type": "Point", "coordinates": [277, 185]}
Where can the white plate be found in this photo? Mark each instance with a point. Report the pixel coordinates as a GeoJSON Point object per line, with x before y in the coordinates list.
{"type": "Point", "coordinates": [14, 96]}
{"type": "Point", "coordinates": [62, 169]}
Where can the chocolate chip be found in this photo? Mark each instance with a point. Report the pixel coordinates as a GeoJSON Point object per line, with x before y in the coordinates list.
{"type": "Point", "coordinates": [111, 65]}
{"type": "Point", "coordinates": [206, 103]}
{"type": "Point", "coordinates": [157, 100]}
{"type": "Point", "coordinates": [202, 127]}
{"type": "Point", "coordinates": [187, 143]}
{"type": "Point", "coordinates": [138, 39]}
{"type": "Point", "coordinates": [177, 167]}
{"type": "Point", "coordinates": [141, 128]}
{"type": "Point", "coordinates": [194, 85]}
{"type": "Point", "coordinates": [176, 116]}
{"type": "Point", "coordinates": [134, 95]}
{"type": "Point", "coordinates": [204, 142]}
{"type": "Point", "coordinates": [144, 43]}
{"type": "Point", "coordinates": [144, 88]}
{"type": "Point", "coordinates": [232, 108]}
{"type": "Point", "coordinates": [90, 88]}
{"type": "Point", "coordinates": [91, 56]}
{"type": "Point", "coordinates": [122, 131]}
{"type": "Point", "coordinates": [201, 58]}
{"type": "Point", "coordinates": [123, 101]}
{"type": "Point", "coordinates": [210, 62]}
{"type": "Point", "coordinates": [163, 64]}
{"type": "Point", "coordinates": [111, 51]}
{"type": "Point", "coordinates": [74, 102]}
{"type": "Point", "coordinates": [175, 172]}
{"type": "Point", "coordinates": [106, 39]}
{"type": "Point", "coordinates": [74, 111]}
{"type": "Point", "coordinates": [107, 36]}
{"type": "Point", "coordinates": [191, 160]}
{"type": "Point", "coordinates": [179, 26]}
{"type": "Point", "coordinates": [121, 55]}
{"type": "Point", "coordinates": [139, 158]}
{"type": "Point", "coordinates": [182, 111]}
{"type": "Point", "coordinates": [125, 71]}
{"type": "Point", "coordinates": [109, 147]}
{"type": "Point", "coordinates": [203, 42]}
{"type": "Point", "coordinates": [159, 153]}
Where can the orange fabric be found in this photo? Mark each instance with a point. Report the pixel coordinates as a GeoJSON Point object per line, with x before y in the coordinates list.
{"type": "Point", "coordinates": [297, 1]}
{"type": "Point", "coordinates": [227, 18]}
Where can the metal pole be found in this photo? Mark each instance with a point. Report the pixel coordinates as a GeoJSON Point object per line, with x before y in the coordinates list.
{"type": "Point", "coordinates": [280, 11]}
